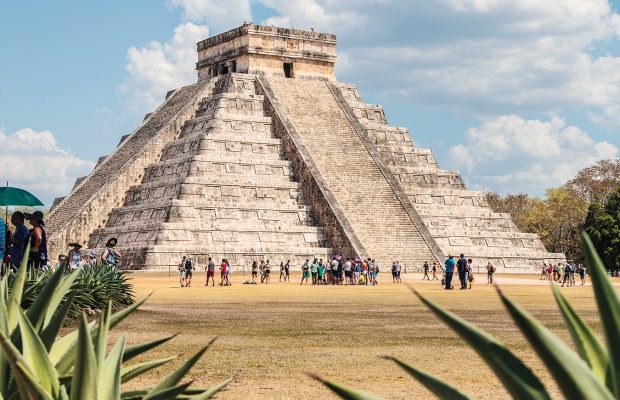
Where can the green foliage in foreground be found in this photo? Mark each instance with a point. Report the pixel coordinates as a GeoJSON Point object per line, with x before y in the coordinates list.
{"type": "Point", "coordinates": [37, 364]}
{"type": "Point", "coordinates": [94, 288]}
{"type": "Point", "coordinates": [591, 373]}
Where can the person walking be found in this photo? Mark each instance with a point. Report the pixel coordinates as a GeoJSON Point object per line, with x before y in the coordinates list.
{"type": "Point", "coordinates": [461, 266]}
{"type": "Point", "coordinates": [287, 271]}
{"type": "Point", "coordinates": [223, 268]}
{"type": "Point", "coordinates": [582, 273]}
{"type": "Point", "coordinates": [490, 272]}
{"type": "Point", "coordinates": [398, 271]}
{"type": "Point", "coordinates": [189, 271]}
{"type": "Point", "coordinates": [210, 272]}
{"type": "Point", "coordinates": [426, 271]}
{"type": "Point", "coordinates": [181, 269]}
{"type": "Point", "coordinates": [305, 272]}
{"type": "Point", "coordinates": [434, 269]}
{"type": "Point", "coordinates": [282, 272]}
{"type": "Point", "coordinates": [261, 269]}
{"type": "Point", "coordinates": [449, 270]}
{"type": "Point", "coordinates": [470, 273]}
{"type": "Point", "coordinates": [18, 242]}
{"type": "Point", "coordinates": [267, 272]}
{"type": "Point", "coordinates": [38, 240]}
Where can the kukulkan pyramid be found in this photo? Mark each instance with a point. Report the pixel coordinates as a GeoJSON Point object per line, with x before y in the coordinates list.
{"type": "Point", "coordinates": [268, 156]}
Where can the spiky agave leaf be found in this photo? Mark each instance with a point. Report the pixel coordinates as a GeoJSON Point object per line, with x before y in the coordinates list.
{"type": "Point", "coordinates": [514, 374]}
{"type": "Point", "coordinates": [84, 381]}
{"type": "Point", "coordinates": [345, 392]}
{"type": "Point", "coordinates": [130, 372]}
{"type": "Point", "coordinates": [609, 311]}
{"type": "Point", "coordinates": [109, 382]}
{"type": "Point", "coordinates": [573, 375]}
{"type": "Point", "coordinates": [212, 390]}
{"type": "Point", "coordinates": [587, 344]}
{"type": "Point", "coordinates": [436, 385]}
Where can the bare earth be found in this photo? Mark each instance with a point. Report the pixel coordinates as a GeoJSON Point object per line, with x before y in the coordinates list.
{"type": "Point", "coordinates": [271, 336]}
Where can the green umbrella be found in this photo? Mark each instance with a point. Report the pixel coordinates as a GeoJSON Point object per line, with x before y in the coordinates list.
{"type": "Point", "coordinates": [10, 196]}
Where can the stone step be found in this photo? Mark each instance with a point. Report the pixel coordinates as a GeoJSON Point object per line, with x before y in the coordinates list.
{"type": "Point", "coordinates": [357, 183]}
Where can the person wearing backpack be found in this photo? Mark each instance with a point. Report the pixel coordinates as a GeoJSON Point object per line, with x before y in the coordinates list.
{"type": "Point", "coordinates": [189, 267]}
{"type": "Point", "coordinates": [490, 272]}
{"type": "Point", "coordinates": [210, 272]}
{"type": "Point", "coordinates": [449, 271]}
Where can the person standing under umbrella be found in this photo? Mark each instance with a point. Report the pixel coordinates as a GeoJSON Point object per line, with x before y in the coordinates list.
{"type": "Point", "coordinates": [38, 240]}
{"type": "Point", "coordinates": [20, 235]}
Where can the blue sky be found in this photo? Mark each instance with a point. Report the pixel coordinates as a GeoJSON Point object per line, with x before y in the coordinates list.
{"type": "Point", "coordinates": [516, 95]}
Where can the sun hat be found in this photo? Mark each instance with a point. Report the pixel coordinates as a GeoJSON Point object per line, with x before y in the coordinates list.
{"type": "Point", "coordinates": [37, 216]}
{"type": "Point", "coordinates": [109, 242]}
{"type": "Point", "coordinates": [73, 244]}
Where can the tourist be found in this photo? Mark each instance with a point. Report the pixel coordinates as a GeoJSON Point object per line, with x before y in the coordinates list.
{"type": "Point", "coordinates": [223, 268]}
{"type": "Point", "coordinates": [18, 242]}
{"type": "Point", "coordinates": [267, 272]}
{"type": "Point", "coordinates": [75, 256]}
{"type": "Point", "coordinates": [434, 269]}
{"type": "Point", "coordinates": [374, 270]}
{"type": "Point", "coordinates": [449, 271]}
{"type": "Point", "coordinates": [181, 269]}
{"type": "Point", "coordinates": [566, 274]}
{"type": "Point", "coordinates": [490, 272]}
{"type": "Point", "coordinates": [348, 273]}
{"type": "Point", "coordinates": [229, 272]}
{"type": "Point", "coordinates": [314, 269]}
{"type": "Point", "coordinates": [470, 273]}
{"type": "Point", "coordinates": [543, 272]}
{"type": "Point", "coordinates": [282, 272]}
{"type": "Point", "coordinates": [339, 272]}
{"type": "Point", "coordinates": [261, 268]}
{"type": "Point", "coordinates": [38, 240]}
{"type": "Point", "coordinates": [189, 271]}
{"type": "Point", "coordinates": [398, 271]}
{"type": "Point", "coordinates": [461, 266]}
{"type": "Point", "coordinates": [110, 255]}
{"type": "Point", "coordinates": [556, 272]}
{"type": "Point", "coordinates": [320, 272]}
{"type": "Point", "coordinates": [573, 270]}
{"type": "Point", "coordinates": [305, 272]}
{"type": "Point", "coordinates": [582, 273]}
{"type": "Point", "coordinates": [287, 271]}
{"type": "Point", "coordinates": [254, 271]}
{"type": "Point", "coordinates": [210, 272]}
{"type": "Point", "coordinates": [426, 271]}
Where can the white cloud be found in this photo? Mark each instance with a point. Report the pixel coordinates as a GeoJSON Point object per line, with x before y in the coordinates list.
{"type": "Point", "coordinates": [160, 67]}
{"type": "Point", "coordinates": [483, 57]}
{"type": "Point", "coordinates": [513, 154]}
{"type": "Point", "coordinates": [219, 15]}
{"type": "Point", "coordinates": [33, 161]}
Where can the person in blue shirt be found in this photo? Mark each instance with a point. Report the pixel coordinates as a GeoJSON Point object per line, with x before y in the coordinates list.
{"type": "Point", "coordinates": [20, 235]}
{"type": "Point", "coordinates": [450, 264]}
{"type": "Point", "coordinates": [2, 239]}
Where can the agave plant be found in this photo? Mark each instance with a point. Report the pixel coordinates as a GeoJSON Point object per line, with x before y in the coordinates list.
{"type": "Point", "coordinates": [94, 289]}
{"type": "Point", "coordinates": [37, 364]}
{"type": "Point", "coordinates": [593, 372]}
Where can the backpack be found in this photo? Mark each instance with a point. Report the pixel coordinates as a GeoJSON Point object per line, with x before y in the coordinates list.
{"type": "Point", "coordinates": [188, 265]}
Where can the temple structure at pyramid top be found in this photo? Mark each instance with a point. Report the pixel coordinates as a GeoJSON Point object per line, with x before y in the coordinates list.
{"type": "Point", "coordinates": [267, 156]}
{"type": "Point", "coordinates": [256, 49]}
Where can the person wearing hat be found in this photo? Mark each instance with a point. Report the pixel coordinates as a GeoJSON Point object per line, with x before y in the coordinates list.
{"type": "Point", "coordinates": [38, 240]}
{"type": "Point", "coordinates": [110, 255]}
{"type": "Point", "coordinates": [75, 256]}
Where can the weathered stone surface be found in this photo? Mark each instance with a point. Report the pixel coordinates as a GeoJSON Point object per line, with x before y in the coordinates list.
{"type": "Point", "coordinates": [248, 164]}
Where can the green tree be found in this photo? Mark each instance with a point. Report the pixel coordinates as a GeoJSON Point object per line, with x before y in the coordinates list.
{"type": "Point", "coordinates": [603, 226]}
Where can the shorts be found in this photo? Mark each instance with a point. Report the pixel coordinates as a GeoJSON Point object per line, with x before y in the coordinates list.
{"type": "Point", "coordinates": [347, 274]}
{"type": "Point", "coordinates": [188, 274]}
{"type": "Point", "coordinates": [211, 273]}
{"type": "Point", "coordinates": [306, 274]}
{"type": "Point", "coordinates": [254, 273]}
{"type": "Point", "coordinates": [182, 273]}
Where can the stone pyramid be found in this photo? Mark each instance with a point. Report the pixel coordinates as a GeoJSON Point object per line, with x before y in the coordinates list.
{"type": "Point", "coordinates": [267, 156]}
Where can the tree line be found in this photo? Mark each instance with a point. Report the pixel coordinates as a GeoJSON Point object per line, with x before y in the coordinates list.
{"type": "Point", "coordinates": [590, 201]}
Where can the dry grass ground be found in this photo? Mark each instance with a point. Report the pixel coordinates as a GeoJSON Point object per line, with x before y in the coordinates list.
{"type": "Point", "coordinates": [271, 336]}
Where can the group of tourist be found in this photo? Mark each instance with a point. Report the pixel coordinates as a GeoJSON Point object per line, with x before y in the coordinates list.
{"type": "Point", "coordinates": [465, 272]}
{"type": "Point", "coordinates": [335, 270]}
{"type": "Point", "coordinates": [563, 273]}
{"type": "Point", "coordinates": [16, 240]}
